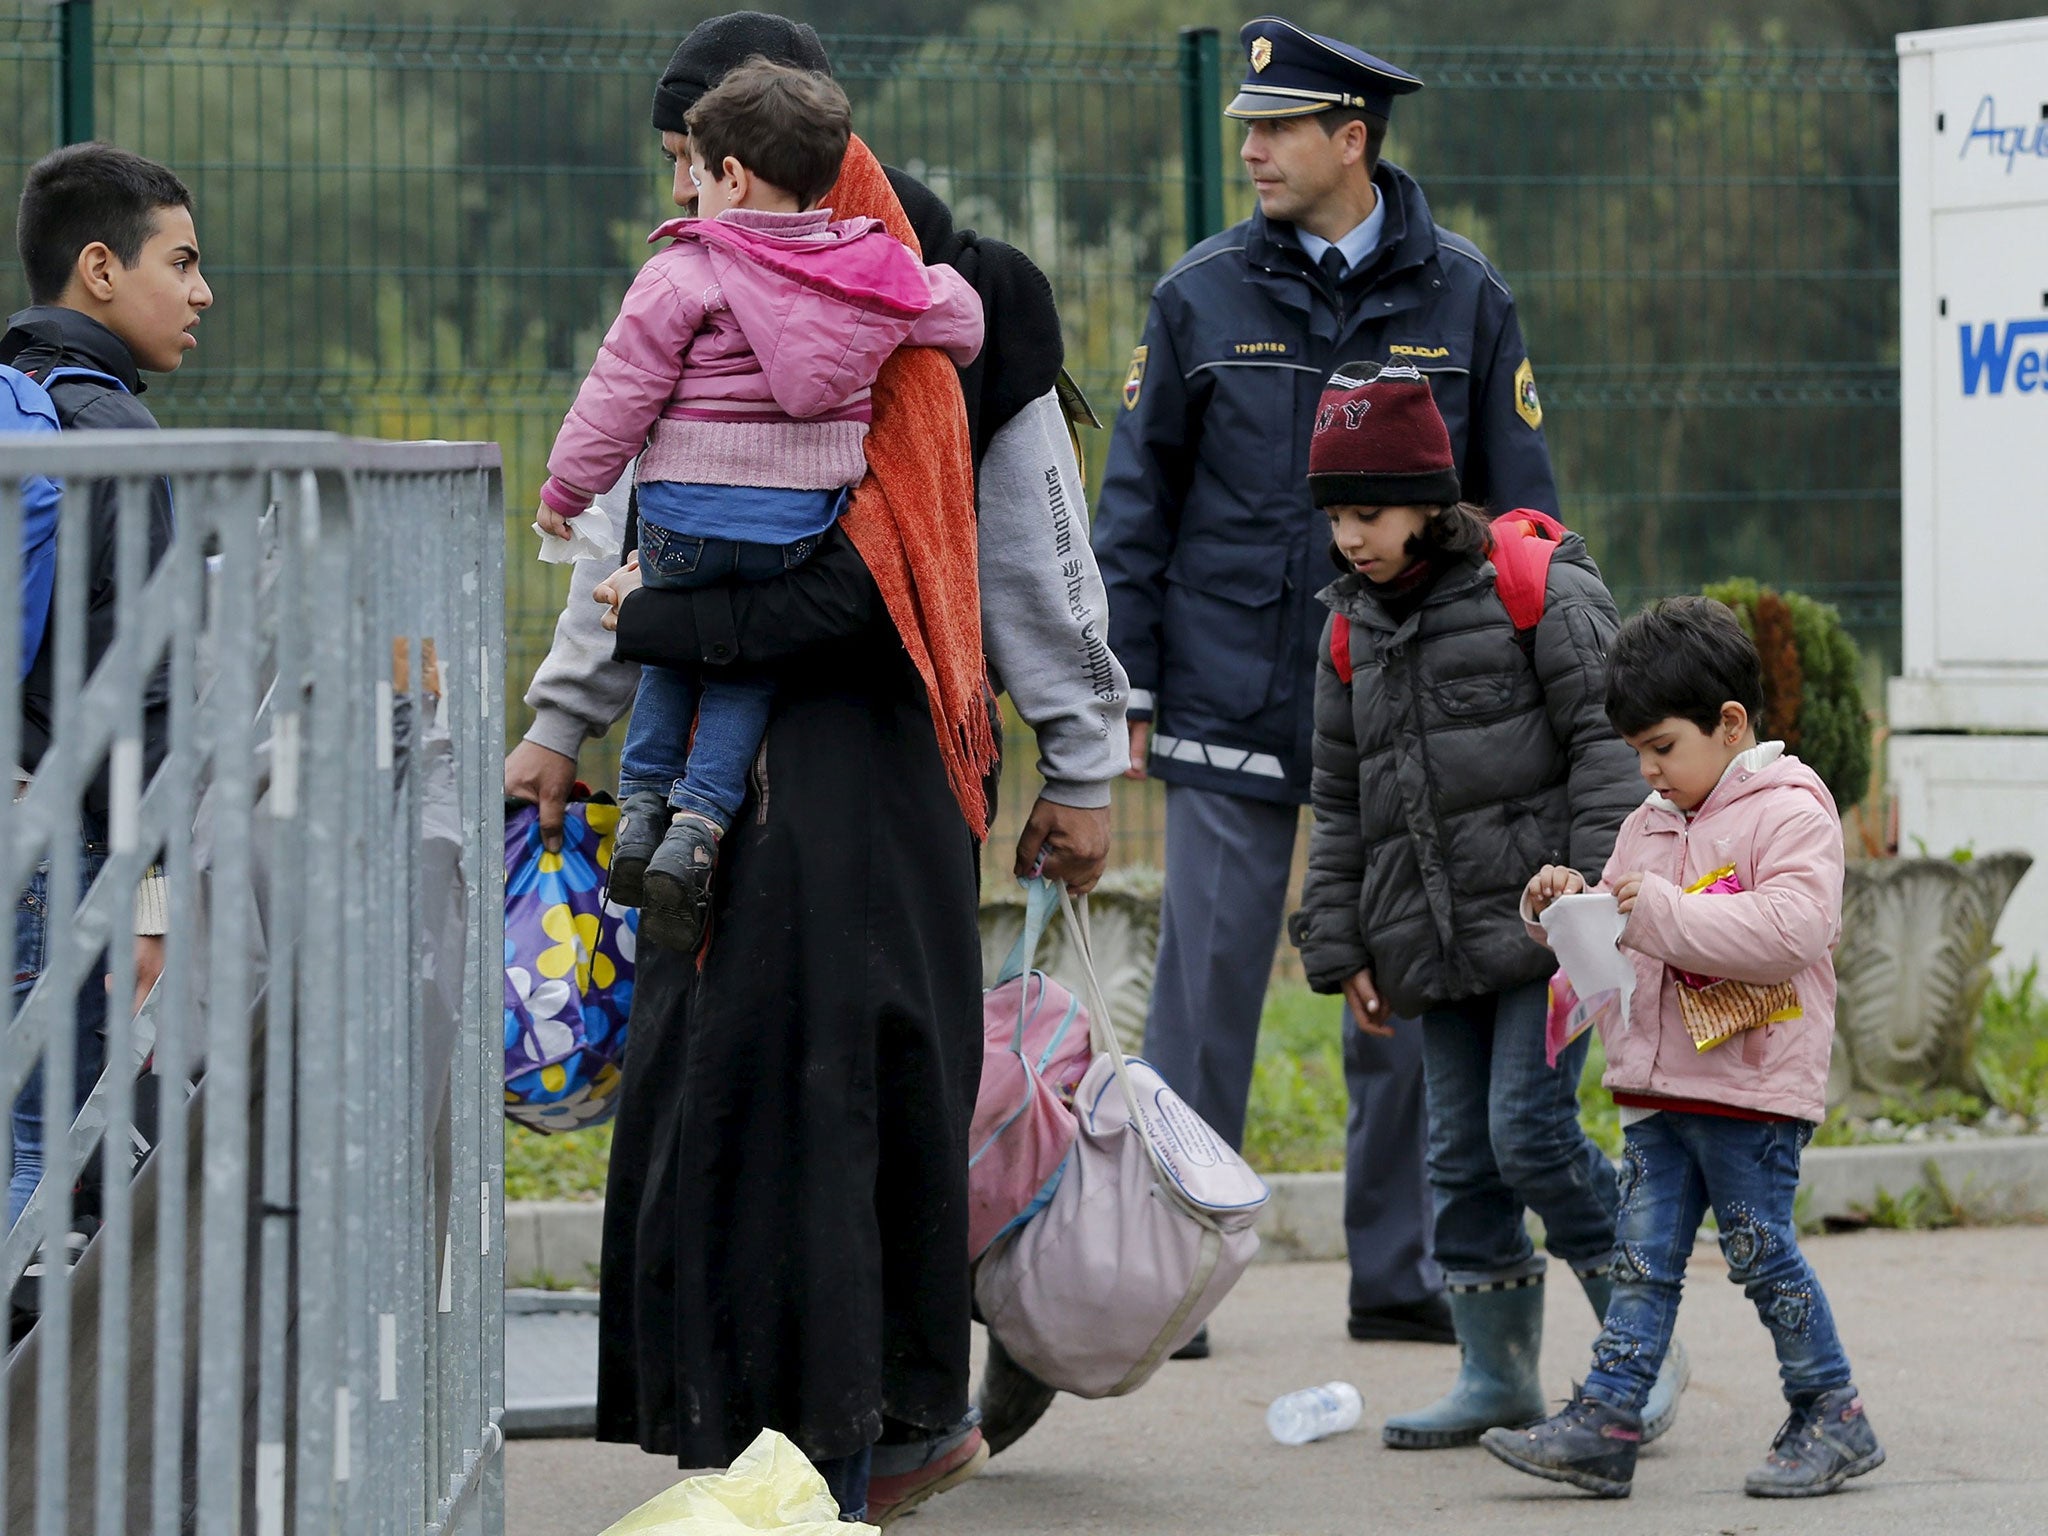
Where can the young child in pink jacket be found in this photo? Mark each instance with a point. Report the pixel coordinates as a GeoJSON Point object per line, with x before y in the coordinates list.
{"type": "Point", "coordinates": [739, 372]}
{"type": "Point", "coordinates": [1731, 878]}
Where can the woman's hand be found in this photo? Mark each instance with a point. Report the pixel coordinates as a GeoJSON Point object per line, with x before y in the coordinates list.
{"type": "Point", "coordinates": [1626, 889]}
{"type": "Point", "coordinates": [1549, 883]}
{"type": "Point", "coordinates": [616, 588]}
{"type": "Point", "coordinates": [1368, 1008]}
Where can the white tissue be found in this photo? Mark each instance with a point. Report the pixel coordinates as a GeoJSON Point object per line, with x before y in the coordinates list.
{"type": "Point", "coordinates": [590, 538]}
{"type": "Point", "coordinates": [1584, 932]}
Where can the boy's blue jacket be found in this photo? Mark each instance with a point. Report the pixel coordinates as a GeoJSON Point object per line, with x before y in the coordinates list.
{"type": "Point", "coordinates": [38, 340]}
{"type": "Point", "coordinates": [1209, 545]}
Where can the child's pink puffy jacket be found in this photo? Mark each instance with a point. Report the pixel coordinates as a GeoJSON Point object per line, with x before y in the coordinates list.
{"type": "Point", "coordinates": [744, 354]}
{"type": "Point", "coordinates": [1774, 821]}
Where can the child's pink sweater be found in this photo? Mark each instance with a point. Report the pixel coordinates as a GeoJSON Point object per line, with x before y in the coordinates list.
{"type": "Point", "coordinates": [744, 354]}
{"type": "Point", "coordinates": [1773, 821]}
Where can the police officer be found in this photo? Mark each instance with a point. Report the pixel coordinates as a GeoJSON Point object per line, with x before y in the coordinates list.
{"type": "Point", "coordinates": [1213, 555]}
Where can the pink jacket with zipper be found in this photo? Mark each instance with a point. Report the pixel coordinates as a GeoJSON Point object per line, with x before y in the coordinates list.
{"type": "Point", "coordinates": [1774, 821]}
{"type": "Point", "coordinates": [744, 354]}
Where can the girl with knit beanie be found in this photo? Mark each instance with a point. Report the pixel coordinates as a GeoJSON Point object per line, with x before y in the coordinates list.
{"type": "Point", "coordinates": [1461, 745]}
{"type": "Point", "coordinates": [741, 372]}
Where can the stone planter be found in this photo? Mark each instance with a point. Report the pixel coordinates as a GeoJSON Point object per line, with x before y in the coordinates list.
{"type": "Point", "coordinates": [1913, 966]}
{"type": "Point", "coordinates": [1123, 917]}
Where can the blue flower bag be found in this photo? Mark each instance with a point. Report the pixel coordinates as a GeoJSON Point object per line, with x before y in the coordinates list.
{"type": "Point", "coordinates": [568, 971]}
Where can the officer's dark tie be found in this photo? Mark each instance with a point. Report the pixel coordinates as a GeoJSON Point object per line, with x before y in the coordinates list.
{"type": "Point", "coordinates": [1334, 267]}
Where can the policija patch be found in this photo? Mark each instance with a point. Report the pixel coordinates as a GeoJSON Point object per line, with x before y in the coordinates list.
{"type": "Point", "coordinates": [1527, 405]}
{"type": "Point", "coordinates": [1134, 381]}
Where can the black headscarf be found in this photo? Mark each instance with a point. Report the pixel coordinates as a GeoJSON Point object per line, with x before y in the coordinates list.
{"type": "Point", "coordinates": [715, 48]}
{"type": "Point", "coordinates": [1023, 350]}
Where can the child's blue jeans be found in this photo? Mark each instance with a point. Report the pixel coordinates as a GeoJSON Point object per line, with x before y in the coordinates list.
{"type": "Point", "coordinates": [32, 922]}
{"type": "Point", "coordinates": [1677, 1167]}
{"type": "Point", "coordinates": [707, 774]}
{"type": "Point", "coordinates": [1504, 1137]}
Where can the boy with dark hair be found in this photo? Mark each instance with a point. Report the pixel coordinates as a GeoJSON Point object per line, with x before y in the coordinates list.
{"type": "Point", "coordinates": [112, 260]}
{"type": "Point", "coordinates": [1730, 876]}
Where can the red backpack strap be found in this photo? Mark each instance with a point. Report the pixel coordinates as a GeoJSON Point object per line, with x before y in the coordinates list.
{"type": "Point", "coordinates": [1340, 647]}
{"type": "Point", "coordinates": [1523, 542]}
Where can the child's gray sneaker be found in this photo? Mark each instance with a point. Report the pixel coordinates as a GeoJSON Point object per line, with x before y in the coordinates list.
{"type": "Point", "coordinates": [642, 821]}
{"type": "Point", "coordinates": [1587, 1444]}
{"type": "Point", "coordinates": [1819, 1448]}
{"type": "Point", "coordinates": [675, 895]}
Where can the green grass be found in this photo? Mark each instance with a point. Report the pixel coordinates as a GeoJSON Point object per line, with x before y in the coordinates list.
{"type": "Point", "coordinates": [2012, 1052]}
{"type": "Point", "coordinates": [1296, 1121]}
{"type": "Point", "coordinates": [567, 1167]}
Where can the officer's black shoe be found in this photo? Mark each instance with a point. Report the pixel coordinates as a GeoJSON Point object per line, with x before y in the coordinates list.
{"type": "Point", "coordinates": [642, 821]}
{"type": "Point", "coordinates": [675, 894]}
{"type": "Point", "coordinates": [1588, 1444]}
{"type": "Point", "coordinates": [1011, 1399]}
{"type": "Point", "coordinates": [1427, 1321]}
{"type": "Point", "coordinates": [1196, 1348]}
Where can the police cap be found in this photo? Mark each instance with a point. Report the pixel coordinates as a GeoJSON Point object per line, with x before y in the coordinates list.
{"type": "Point", "coordinates": [1291, 73]}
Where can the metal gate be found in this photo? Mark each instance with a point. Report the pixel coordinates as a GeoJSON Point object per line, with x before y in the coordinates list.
{"type": "Point", "coordinates": [264, 1271]}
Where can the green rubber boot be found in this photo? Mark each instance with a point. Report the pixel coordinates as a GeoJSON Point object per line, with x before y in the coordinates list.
{"type": "Point", "coordinates": [1661, 1411]}
{"type": "Point", "coordinates": [1500, 1334]}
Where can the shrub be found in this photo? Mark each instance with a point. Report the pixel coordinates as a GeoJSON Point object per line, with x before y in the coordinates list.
{"type": "Point", "coordinates": [1813, 690]}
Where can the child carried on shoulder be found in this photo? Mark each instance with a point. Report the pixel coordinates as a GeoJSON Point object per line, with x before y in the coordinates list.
{"type": "Point", "coordinates": [739, 372]}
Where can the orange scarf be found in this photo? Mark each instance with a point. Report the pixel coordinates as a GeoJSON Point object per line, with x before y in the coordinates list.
{"type": "Point", "coordinates": [913, 520]}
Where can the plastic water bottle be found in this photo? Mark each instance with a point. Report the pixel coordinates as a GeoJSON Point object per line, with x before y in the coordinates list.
{"type": "Point", "coordinates": [1314, 1412]}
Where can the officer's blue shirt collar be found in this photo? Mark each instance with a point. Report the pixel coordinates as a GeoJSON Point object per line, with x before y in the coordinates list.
{"type": "Point", "coordinates": [1357, 246]}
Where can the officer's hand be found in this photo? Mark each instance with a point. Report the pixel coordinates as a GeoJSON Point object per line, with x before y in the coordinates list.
{"type": "Point", "coordinates": [1368, 1008]}
{"type": "Point", "coordinates": [544, 776]}
{"type": "Point", "coordinates": [1072, 839]}
{"type": "Point", "coordinates": [1141, 734]}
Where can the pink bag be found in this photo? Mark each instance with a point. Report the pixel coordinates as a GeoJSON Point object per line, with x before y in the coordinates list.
{"type": "Point", "coordinates": [1034, 1050]}
{"type": "Point", "coordinates": [1147, 1228]}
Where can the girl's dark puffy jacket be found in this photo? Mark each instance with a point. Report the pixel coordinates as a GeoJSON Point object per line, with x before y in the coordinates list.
{"type": "Point", "coordinates": [1460, 759]}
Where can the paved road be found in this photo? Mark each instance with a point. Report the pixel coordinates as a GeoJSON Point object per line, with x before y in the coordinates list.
{"type": "Point", "coordinates": [1949, 1332]}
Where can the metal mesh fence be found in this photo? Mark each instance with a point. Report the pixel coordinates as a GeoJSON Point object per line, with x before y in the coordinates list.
{"type": "Point", "coordinates": [422, 230]}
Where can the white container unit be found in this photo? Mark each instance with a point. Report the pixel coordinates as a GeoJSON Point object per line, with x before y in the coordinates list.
{"type": "Point", "coordinates": [1969, 753]}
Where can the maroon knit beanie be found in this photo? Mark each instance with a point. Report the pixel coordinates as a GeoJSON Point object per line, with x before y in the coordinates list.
{"type": "Point", "coordinates": [1380, 442]}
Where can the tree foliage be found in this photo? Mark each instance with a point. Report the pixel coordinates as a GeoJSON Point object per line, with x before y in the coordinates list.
{"type": "Point", "coordinates": [1813, 682]}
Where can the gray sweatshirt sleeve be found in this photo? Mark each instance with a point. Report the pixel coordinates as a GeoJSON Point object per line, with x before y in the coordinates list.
{"type": "Point", "coordinates": [579, 691]}
{"type": "Point", "coordinates": [1044, 615]}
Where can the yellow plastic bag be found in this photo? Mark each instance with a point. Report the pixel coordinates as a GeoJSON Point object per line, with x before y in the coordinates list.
{"type": "Point", "coordinates": [772, 1487]}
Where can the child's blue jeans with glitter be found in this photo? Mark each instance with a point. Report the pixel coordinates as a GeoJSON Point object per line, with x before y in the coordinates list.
{"type": "Point", "coordinates": [1677, 1167]}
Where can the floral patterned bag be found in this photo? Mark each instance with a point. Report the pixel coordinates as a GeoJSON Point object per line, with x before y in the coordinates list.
{"type": "Point", "coordinates": [568, 971]}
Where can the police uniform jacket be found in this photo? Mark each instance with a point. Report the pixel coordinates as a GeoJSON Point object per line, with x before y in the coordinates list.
{"type": "Point", "coordinates": [1209, 545]}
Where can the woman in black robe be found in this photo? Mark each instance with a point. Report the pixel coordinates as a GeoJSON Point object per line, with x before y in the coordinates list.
{"type": "Point", "coordinates": [786, 1222]}
{"type": "Point", "coordinates": [785, 1239]}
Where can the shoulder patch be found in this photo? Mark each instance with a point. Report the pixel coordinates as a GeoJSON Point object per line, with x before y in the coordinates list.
{"type": "Point", "coordinates": [1134, 381]}
{"type": "Point", "coordinates": [1527, 405]}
